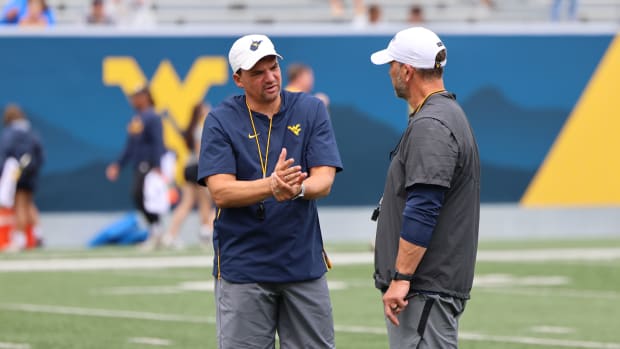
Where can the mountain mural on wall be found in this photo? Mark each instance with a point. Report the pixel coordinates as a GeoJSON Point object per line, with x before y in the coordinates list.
{"type": "Point", "coordinates": [63, 150]}
{"type": "Point", "coordinates": [507, 134]}
{"type": "Point", "coordinates": [85, 189]}
{"type": "Point", "coordinates": [513, 141]}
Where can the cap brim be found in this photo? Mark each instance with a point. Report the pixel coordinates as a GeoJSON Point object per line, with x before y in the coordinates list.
{"type": "Point", "coordinates": [381, 57]}
{"type": "Point", "coordinates": [249, 65]}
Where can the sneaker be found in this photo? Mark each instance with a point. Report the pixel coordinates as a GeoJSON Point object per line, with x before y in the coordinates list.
{"type": "Point", "coordinates": [152, 243]}
{"type": "Point", "coordinates": [172, 243]}
{"type": "Point", "coordinates": [205, 236]}
{"type": "Point", "coordinates": [18, 243]}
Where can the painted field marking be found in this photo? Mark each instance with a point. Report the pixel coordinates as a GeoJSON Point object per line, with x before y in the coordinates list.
{"type": "Point", "coordinates": [5, 345]}
{"type": "Point", "coordinates": [466, 336]}
{"type": "Point", "coordinates": [150, 341]}
{"type": "Point", "coordinates": [187, 286]}
{"type": "Point", "coordinates": [128, 263]}
{"type": "Point", "coordinates": [553, 292]}
{"type": "Point", "coordinates": [508, 280]}
{"type": "Point", "coordinates": [107, 313]}
{"type": "Point", "coordinates": [552, 329]}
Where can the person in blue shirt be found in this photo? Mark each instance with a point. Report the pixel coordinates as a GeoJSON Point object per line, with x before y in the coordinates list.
{"type": "Point", "coordinates": [20, 142]}
{"type": "Point", "coordinates": [15, 10]}
{"type": "Point", "coordinates": [266, 157]}
{"type": "Point", "coordinates": [143, 151]}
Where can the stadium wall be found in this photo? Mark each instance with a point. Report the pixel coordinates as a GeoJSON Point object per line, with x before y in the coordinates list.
{"type": "Point", "coordinates": [541, 104]}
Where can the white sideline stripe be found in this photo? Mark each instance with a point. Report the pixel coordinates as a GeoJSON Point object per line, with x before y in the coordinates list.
{"type": "Point", "coordinates": [73, 264]}
{"type": "Point", "coordinates": [550, 254]}
{"type": "Point", "coordinates": [552, 329]}
{"type": "Point", "coordinates": [554, 292]}
{"type": "Point", "coordinates": [467, 336]}
{"type": "Point", "coordinates": [198, 286]}
{"type": "Point", "coordinates": [4, 345]}
{"type": "Point", "coordinates": [538, 341]}
{"type": "Point", "coordinates": [120, 263]}
{"type": "Point", "coordinates": [150, 341]}
{"type": "Point", "coordinates": [122, 314]}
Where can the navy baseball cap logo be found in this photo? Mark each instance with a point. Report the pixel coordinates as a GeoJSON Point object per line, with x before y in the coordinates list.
{"type": "Point", "coordinates": [255, 44]}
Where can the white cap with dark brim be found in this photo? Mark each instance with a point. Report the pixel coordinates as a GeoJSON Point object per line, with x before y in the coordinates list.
{"type": "Point", "coordinates": [248, 50]}
{"type": "Point", "coordinates": [415, 46]}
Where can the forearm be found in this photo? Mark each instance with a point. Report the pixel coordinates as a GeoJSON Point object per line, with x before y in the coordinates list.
{"type": "Point", "coordinates": [228, 192]}
{"type": "Point", "coordinates": [319, 183]}
{"type": "Point", "coordinates": [409, 257]}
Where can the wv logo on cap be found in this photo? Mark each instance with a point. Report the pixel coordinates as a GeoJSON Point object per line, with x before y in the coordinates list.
{"type": "Point", "coordinates": [255, 44]}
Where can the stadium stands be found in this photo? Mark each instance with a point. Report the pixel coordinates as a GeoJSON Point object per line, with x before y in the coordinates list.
{"type": "Point", "coordinates": [201, 12]}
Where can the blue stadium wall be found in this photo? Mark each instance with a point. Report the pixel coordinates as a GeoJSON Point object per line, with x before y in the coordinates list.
{"type": "Point", "coordinates": [518, 91]}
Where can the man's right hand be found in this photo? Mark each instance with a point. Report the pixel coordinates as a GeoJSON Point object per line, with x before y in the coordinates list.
{"type": "Point", "coordinates": [286, 179]}
{"type": "Point", "coordinates": [112, 172]}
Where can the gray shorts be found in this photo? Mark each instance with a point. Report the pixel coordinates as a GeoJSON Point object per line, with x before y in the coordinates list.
{"type": "Point", "coordinates": [248, 315]}
{"type": "Point", "coordinates": [428, 321]}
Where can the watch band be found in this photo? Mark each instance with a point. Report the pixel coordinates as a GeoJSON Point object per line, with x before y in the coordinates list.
{"type": "Point", "coordinates": [399, 276]}
{"type": "Point", "coordinates": [302, 192]}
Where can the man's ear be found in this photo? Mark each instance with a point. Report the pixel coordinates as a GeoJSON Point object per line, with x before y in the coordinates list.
{"type": "Point", "coordinates": [237, 80]}
{"type": "Point", "coordinates": [409, 71]}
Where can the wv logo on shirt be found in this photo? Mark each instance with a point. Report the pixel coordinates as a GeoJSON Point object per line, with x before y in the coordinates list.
{"type": "Point", "coordinates": [295, 129]}
{"type": "Point", "coordinates": [171, 93]}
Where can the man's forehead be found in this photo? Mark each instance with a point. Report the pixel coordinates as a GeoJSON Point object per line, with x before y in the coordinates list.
{"type": "Point", "coordinates": [265, 61]}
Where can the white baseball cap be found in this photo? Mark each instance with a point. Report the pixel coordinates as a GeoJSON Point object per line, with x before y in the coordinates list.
{"type": "Point", "coordinates": [415, 46]}
{"type": "Point", "coordinates": [248, 50]}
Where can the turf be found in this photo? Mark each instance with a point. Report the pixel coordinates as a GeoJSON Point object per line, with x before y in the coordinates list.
{"type": "Point", "coordinates": [105, 309]}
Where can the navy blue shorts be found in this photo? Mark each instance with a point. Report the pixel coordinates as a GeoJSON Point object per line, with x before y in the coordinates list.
{"type": "Point", "coordinates": [27, 182]}
{"type": "Point", "coordinates": [191, 173]}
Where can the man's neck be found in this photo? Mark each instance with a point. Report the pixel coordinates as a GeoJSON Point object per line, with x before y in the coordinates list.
{"type": "Point", "coordinates": [423, 90]}
{"type": "Point", "coordinates": [269, 109]}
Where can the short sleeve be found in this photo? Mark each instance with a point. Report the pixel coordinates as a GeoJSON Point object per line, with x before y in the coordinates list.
{"type": "Point", "coordinates": [429, 153]}
{"type": "Point", "coordinates": [216, 151]}
{"type": "Point", "coordinates": [322, 148]}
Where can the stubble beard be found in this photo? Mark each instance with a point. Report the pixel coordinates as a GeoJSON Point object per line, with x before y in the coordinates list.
{"type": "Point", "coordinates": [400, 89]}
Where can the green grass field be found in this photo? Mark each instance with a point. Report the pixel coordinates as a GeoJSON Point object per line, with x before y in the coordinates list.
{"type": "Point", "coordinates": [547, 295]}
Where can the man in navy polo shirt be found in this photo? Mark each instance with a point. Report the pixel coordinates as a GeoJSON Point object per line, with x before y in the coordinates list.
{"type": "Point", "coordinates": [266, 157]}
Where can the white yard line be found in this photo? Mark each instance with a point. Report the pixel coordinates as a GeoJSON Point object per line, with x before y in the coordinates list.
{"type": "Point", "coordinates": [553, 292]}
{"type": "Point", "coordinates": [465, 336]}
{"type": "Point", "coordinates": [128, 263]}
{"type": "Point", "coordinates": [543, 342]}
{"type": "Point", "coordinates": [4, 345]}
{"type": "Point", "coordinates": [550, 255]}
{"type": "Point", "coordinates": [160, 342]}
{"type": "Point", "coordinates": [552, 329]}
{"type": "Point", "coordinates": [108, 313]}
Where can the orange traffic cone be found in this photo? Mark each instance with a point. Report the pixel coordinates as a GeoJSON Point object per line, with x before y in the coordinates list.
{"type": "Point", "coordinates": [6, 226]}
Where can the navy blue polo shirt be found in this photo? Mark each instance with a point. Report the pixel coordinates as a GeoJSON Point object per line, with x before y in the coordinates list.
{"type": "Point", "coordinates": [287, 245]}
{"type": "Point", "coordinates": [145, 140]}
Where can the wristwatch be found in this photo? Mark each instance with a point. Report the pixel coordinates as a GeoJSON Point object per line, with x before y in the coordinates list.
{"type": "Point", "coordinates": [399, 276]}
{"type": "Point", "coordinates": [301, 192]}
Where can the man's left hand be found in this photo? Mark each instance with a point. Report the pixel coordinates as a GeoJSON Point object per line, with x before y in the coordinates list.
{"type": "Point", "coordinates": [394, 299]}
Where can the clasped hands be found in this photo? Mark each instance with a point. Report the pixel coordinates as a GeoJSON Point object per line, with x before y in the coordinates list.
{"type": "Point", "coordinates": [286, 179]}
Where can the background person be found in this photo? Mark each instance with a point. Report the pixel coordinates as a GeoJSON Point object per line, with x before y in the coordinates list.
{"type": "Point", "coordinates": [191, 192]}
{"type": "Point", "coordinates": [266, 157]}
{"type": "Point", "coordinates": [98, 15]}
{"type": "Point", "coordinates": [143, 151]}
{"type": "Point", "coordinates": [300, 78]}
{"type": "Point", "coordinates": [36, 14]}
{"type": "Point", "coordinates": [15, 10]}
{"type": "Point", "coordinates": [20, 142]}
{"type": "Point", "coordinates": [427, 229]}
